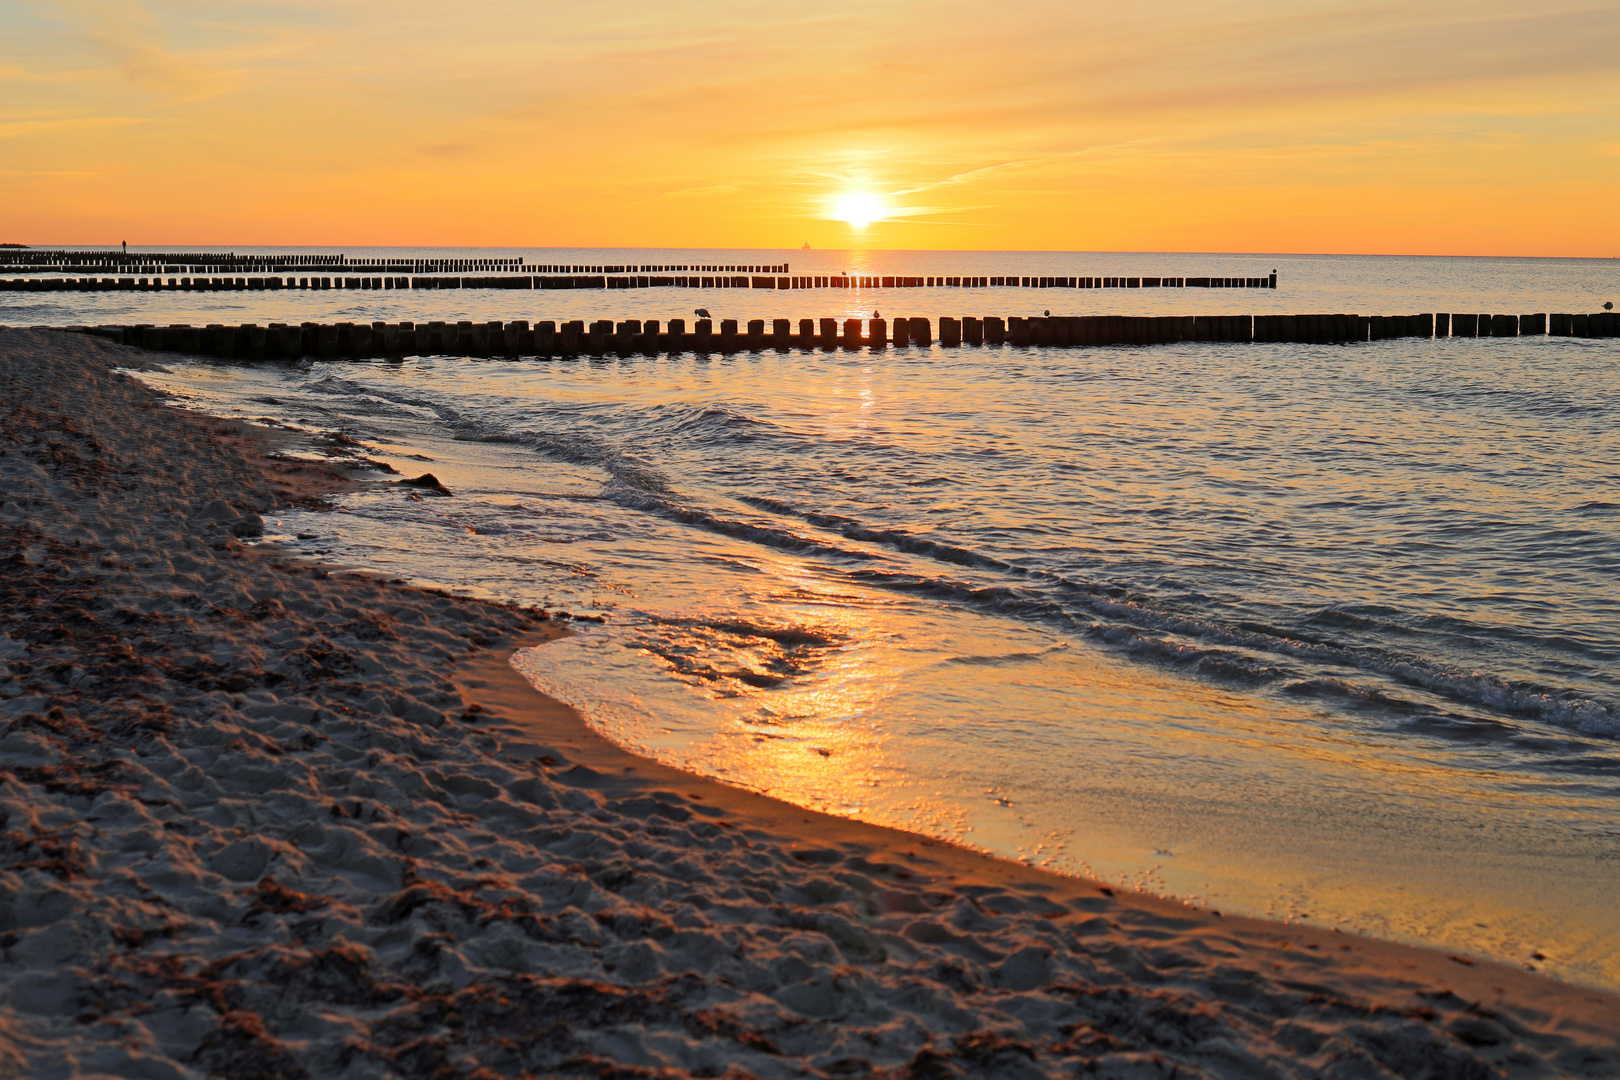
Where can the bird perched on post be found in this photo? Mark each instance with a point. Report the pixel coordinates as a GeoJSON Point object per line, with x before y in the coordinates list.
{"type": "Point", "coordinates": [877, 314]}
{"type": "Point", "coordinates": [1048, 312]}
{"type": "Point", "coordinates": [1608, 305]}
{"type": "Point", "coordinates": [703, 313]}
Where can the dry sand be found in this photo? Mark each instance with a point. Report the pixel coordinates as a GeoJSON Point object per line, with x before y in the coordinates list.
{"type": "Point", "coordinates": [261, 822]}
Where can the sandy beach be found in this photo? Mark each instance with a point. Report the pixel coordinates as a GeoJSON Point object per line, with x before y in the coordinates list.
{"type": "Point", "coordinates": [258, 819]}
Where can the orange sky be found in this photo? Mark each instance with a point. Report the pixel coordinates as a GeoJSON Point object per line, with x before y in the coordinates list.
{"type": "Point", "coordinates": [1458, 128]}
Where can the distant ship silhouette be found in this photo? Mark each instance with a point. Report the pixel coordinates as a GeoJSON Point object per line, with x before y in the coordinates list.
{"type": "Point", "coordinates": [806, 246]}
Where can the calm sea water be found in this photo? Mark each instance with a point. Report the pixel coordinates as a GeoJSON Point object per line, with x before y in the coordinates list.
{"type": "Point", "coordinates": [1326, 633]}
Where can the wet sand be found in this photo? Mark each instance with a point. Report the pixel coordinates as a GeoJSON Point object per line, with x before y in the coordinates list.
{"type": "Point", "coordinates": [262, 820]}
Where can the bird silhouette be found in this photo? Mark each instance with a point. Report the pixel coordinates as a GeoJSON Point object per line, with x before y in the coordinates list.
{"type": "Point", "coordinates": [1048, 313]}
{"type": "Point", "coordinates": [1608, 305]}
{"type": "Point", "coordinates": [877, 314]}
{"type": "Point", "coordinates": [703, 312]}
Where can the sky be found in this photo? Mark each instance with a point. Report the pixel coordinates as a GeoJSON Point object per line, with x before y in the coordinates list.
{"type": "Point", "coordinates": [1463, 128]}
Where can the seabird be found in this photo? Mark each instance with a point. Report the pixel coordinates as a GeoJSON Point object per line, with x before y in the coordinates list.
{"type": "Point", "coordinates": [877, 314]}
{"type": "Point", "coordinates": [703, 313]}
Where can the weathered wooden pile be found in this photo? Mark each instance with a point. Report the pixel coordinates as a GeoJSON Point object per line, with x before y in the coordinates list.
{"type": "Point", "coordinates": [547, 338]}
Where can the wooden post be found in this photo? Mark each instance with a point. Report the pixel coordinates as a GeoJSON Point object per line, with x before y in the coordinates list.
{"type": "Point", "coordinates": [597, 336]}
{"type": "Point", "coordinates": [359, 340]}
{"type": "Point", "coordinates": [518, 338]}
{"type": "Point", "coordinates": [252, 341]}
{"type": "Point", "coordinates": [972, 331]}
{"type": "Point", "coordinates": [545, 338]}
{"type": "Point", "coordinates": [290, 340]}
{"type": "Point", "coordinates": [878, 333]}
{"type": "Point", "coordinates": [995, 330]}
{"type": "Point", "coordinates": [807, 333]}
{"type": "Point", "coordinates": [1535, 325]}
{"type": "Point", "coordinates": [950, 332]}
{"type": "Point", "coordinates": [624, 336]}
{"type": "Point", "coordinates": [183, 337]}
{"type": "Point", "coordinates": [326, 341]}
{"type": "Point", "coordinates": [756, 334]}
{"type": "Point", "coordinates": [1561, 325]}
{"type": "Point", "coordinates": [852, 333]}
{"type": "Point", "coordinates": [384, 339]}
{"type": "Point", "coordinates": [571, 338]}
{"type": "Point", "coordinates": [829, 333]}
{"type": "Point", "coordinates": [781, 334]}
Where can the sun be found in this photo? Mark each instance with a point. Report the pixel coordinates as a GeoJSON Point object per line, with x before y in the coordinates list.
{"type": "Point", "coordinates": [859, 209]}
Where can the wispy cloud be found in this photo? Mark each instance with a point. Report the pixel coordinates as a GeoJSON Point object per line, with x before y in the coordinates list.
{"type": "Point", "coordinates": [12, 129]}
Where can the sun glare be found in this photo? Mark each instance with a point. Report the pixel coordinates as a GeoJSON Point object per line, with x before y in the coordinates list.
{"type": "Point", "coordinates": [859, 209]}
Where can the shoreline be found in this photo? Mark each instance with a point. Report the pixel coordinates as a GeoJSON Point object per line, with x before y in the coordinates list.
{"type": "Point", "coordinates": [415, 834]}
{"type": "Point", "coordinates": [539, 725]}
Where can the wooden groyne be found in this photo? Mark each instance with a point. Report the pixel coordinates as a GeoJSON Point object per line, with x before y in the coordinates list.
{"type": "Point", "coordinates": [204, 262]}
{"type": "Point", "coordinates": [612, 280]}
{"type": "Point", "coordinates": [354, 340]}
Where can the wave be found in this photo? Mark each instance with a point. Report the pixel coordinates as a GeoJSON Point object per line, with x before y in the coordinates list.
{"type": "Point", "coordinates": [1135, 624]}
{"type": "Point", "coordinates": [1131, 625]}
{"type": "Point", "coordinates": [1537, 404]}
{"type": "Point", "coordinates": [1006, 659]}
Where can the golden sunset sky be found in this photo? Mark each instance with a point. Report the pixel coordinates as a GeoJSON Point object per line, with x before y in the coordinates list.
{"type": "Point", "coordinates": [1479, 127]}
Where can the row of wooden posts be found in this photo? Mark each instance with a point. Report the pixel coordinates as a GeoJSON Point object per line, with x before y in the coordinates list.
{"type": "Point", "coordinates": [215, 262]}
{"type": "Point", "coordinates": [280, 341]}
{"type": "Point", "coordinates": [628, 281]}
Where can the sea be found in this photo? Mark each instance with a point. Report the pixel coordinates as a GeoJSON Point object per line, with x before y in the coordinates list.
{"type": "Point", "coordinates": [1320, 633]}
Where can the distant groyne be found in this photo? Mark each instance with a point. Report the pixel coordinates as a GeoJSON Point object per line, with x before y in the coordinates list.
{"type": "Point", "coordinates": [220, 262]}
{"type": "Point", "coordinates": [376, 340]}
{"type": "Point", "coordinates": [191, 272]}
